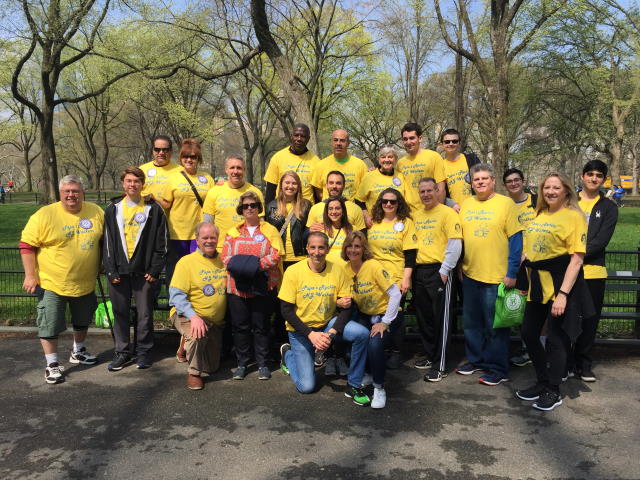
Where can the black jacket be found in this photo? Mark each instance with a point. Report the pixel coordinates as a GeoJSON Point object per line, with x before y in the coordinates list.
{"type": "Point", "coordinates": [297, 226]}
{"type": "Point", "coordinates": [602, 223]}
{"type": "Point", "coordinates": [150, 252]}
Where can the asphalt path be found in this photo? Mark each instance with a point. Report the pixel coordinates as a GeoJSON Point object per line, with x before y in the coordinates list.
{"type": "Point", "coordinates": [145, 424]}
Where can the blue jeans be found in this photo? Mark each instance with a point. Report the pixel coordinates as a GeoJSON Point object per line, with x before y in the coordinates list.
{"type": "Point", "coordinates": [486, 347]}
{"type": "Point", "coordinates": [300, 358]}
{"type": "Point", "coordinates": [377, 360]}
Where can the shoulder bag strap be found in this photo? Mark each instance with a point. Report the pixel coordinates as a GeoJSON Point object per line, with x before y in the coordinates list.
{"type": "Point", "coordinates": [193, 189]}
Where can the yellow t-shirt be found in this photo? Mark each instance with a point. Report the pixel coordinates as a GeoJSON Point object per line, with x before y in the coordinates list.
{"type": "Point", "coordinates": [526, 212]}
{"type": "Point", "coordinates": [591, 271]}
{"type": "Point", "coordinates": [458, 180]}
{"type": "Point", "coordinates": [486, 228]}
{"type": "Point", "coordinates": [289, 255]}
{"type": "Point", "coordinates": [132, 222]}
{"type": "Point", "coordinates": [426, 163]}
{"type": "Point", "coordinates": [335, 245]}
{"type": "Point", "coordinates": [68, 247]}
{"type": "Point", "coordinates": [388, 241]}
{"type": "Point", "coordinates": [434, 228]}
{"type": "Point", "coordinates": [303, 165]}
{"type": "Point", "coordinates": [370, 287]}
{"type": "Point", "coordinates": [204, 280]}
{"type": "Point", "coordinates": [552, 234]}
{"type": "Point", "coordinates": [185, 212]}
{"type": "Point", "coordinates": [156, 177]}
{"type": "Point", "coordinates": [375, 182]}
{"type": "Point", "coordinates": [314, 294]}
{"type": "Point", "coordinates": [353, 170]}
{"type": "Point", "coordinates": [221, 202]}
{"type": "Point", "coordinates": [354, 215]}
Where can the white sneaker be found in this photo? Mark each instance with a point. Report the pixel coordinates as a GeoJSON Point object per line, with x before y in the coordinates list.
{"type": "Point", "coordinates": [367, 379]}
{"type": "Point", "coordinates": [343, 368]}
{"type": "Point", "coordinates": [83, 356]}
{"type": "Point", "coordinates": [330, 367]}
{"type": "Point", "coordinates": [53, 373]}
{"type": "Point", "coordinates": [379, 398]}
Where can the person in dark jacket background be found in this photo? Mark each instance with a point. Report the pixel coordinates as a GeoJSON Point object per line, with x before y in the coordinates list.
{"type": "Point", "coordinates": [134, 254]}
{"type": "Point", "coordinates": [602, 215]}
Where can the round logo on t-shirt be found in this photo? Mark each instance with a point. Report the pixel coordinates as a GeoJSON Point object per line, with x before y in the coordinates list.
{"type": "Point", "coordinates": [202, 179]}
{"type": "Point", "coordinates": [86, 223]}
{"type": "Point", "coordinates": [396, 181]}
{"type": "Point", "coordinates": [140, 217]}
{"type": "Point", "coordinates": [259, 237]}
{"type": "Point", "coordinates": [398, 226]}
{"type": "Point", "coordinates": [151, 172]}
{"type": "Point", "coordinates": [208, 290]}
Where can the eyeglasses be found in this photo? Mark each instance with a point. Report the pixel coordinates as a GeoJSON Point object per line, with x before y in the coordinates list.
{"type": "Point", "coordinates": [71, 192]}
{"type": "Point", "coordinates": [246, 206]}
{"type": "Point", "coordinates": [189, 157]}
{"type": "Point", "coordinates": [161, 149]}
{"type": "Point", "coordinates": [454, 142]}
{"type": "Point", "coordinates": [513, 180]}
{"type": "Point", "coordinates": [390, 201]}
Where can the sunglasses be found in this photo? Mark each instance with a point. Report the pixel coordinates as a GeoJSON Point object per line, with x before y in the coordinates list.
{"type": "Point", "coordinates": [390, 201]}
{"type": "Point", "coordinates": [454, 142]}
{"type": "Point", "coordinates": [161, 149]}
{"type": "Point", "coordinates": [189, 157]}
{"type": "Point", "coordinates": [246, 206]}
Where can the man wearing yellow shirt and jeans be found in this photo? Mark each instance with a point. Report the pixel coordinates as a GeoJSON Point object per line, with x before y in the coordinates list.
{"type": "Point", "coordinates": [602, 216]}
{"type": "Point", "coordinates": [296, 157]}
{"type": "Point", "coordinates": [311, 292]}
{"type": "Point", "coordinates": [220, 205]}
{"type": "Point", "coordinates": [60, 251]}
{"type": "Point", "coordinates": [419, 163]}
{"type": "Point", "coordinates": [198, 295]}
{"type": "Point", "coordinates": [341, 160]}
{"type": "Point", "coordinates": [492, 249]}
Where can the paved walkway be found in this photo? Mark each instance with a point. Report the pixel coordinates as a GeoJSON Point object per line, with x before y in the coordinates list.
{"type": "Point", "coordinates": [147, 425]}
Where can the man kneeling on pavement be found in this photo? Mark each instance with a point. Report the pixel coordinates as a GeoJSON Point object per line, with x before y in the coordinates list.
{"type": "Point", "coordinates": [197, 294]}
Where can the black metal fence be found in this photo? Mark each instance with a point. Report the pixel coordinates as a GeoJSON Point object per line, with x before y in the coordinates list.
{"type": "Point", "coordinates": [620, 316]}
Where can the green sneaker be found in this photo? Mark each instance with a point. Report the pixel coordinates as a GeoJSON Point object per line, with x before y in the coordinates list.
{"type": "Point", "coordinates": [284, 348]}
{"type": "Point", "coordinates": [357, 395]}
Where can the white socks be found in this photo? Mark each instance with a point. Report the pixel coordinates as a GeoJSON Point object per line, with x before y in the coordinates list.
{"type": "Point", "coordinates": [51, 358]}
{"type": "Point", "coordinates": [77, 346]}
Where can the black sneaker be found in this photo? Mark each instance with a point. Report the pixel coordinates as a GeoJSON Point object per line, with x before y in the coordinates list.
{"type": "Point", "coordinates": [119, 362]}
{"type": "Point", "coordinates": [530, 394]}
{"type": "Point", "coordinates": [357, 395]}
{"type": "Point", "coordinates": [422, 364]}
{"type": "Point", "coordinates": [587, 375]}
{"type": "Point", "coordinates": [548, 401]}
{"type": "Point", "coordinates": [434, 375]}
{"type": "Point", "coordinates": [320, 358]}
{"type": "Point", "coordinates": [53, 373]}
{"type": "Point", "coordinates": [83, 356]}
{"type": "Point", "coordinates": [239, 373]}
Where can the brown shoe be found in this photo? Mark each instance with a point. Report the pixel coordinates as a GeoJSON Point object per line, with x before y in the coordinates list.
{"type": "Point", "coordinates": [194, 382]}
{"type": "Point", "coordinates": [181, 354]}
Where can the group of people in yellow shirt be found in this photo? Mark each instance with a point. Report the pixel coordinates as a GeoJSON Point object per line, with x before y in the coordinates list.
{"type": "Point", "coordinates": [341, 246]}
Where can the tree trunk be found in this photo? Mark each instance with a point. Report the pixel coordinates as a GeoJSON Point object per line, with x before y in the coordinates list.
{"type": "Point", "coordinates": [291, 88]}
{"type": "Point", "coordinates": [48, 155]}
{"type": "Point", "coordinates": [27, 167]}
{"type": "Point", "coordinates": [459, 88]}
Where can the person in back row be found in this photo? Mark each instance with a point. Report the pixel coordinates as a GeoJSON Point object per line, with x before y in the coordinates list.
{"type": "Point", "coordinates": [160, 168]}
{"type": "Point", "coordinates": [312, 304]}
{"type": "Point", "coordinates": [351, 167]}
{"type": "Point", "coordinates": [456, 168]}
{"type": "Point", "coordinates": [492, 249]}
{"type": "Point", "coordinates": [60, 252]}
{"type": "Point", "coordinates": [419, 163]}
{"type": "Point", "coordinates": [296, 157]}
{"type": "Point", "coordinates": [134, 252]}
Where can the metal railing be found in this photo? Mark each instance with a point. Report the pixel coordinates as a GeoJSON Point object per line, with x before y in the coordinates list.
{"type": "Point", "coordinates": [620, 316]}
